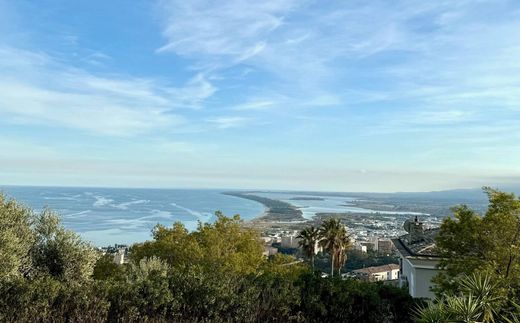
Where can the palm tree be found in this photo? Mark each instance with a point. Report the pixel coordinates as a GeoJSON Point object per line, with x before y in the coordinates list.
{"type": "Point", "coordinates": [481, 299]}
{"type": "Point", "coordinates": [308, 239]}
{"type": "Point", "coordinates": [344, 244]}
{"type": "Point", "coordinates": [336, 240]}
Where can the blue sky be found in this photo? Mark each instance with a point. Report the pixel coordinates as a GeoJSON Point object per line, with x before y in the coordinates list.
{"type": "Point", "coordinates": [315, 95]}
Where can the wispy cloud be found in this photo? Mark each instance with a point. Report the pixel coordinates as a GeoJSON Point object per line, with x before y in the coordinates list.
{"type": "Point", "coordinates": [255, 105]}
{"type": "Point", "coordinates": [37, 89]}
{"type": "Point", "coordinates": [226, 122]}
{"type": "Point", "coordinates": [229, 30]}
{"type": "Point", "coordinates": [324, 53]}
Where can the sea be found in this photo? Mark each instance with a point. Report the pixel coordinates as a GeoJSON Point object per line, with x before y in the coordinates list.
{"type": "Point", "coordinates": [106, 216]}
{"type": "Point", "coordinates": [325, 203]}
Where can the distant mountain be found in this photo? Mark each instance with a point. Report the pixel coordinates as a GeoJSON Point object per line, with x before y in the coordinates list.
{"type": "Point", "coordinates": [473, 195]}
{"type": "Point", "coordinates": [453, 196]}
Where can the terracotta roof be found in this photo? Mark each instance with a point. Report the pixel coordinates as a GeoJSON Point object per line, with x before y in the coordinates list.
{"type": "Point", "coordinates": [377, 269]}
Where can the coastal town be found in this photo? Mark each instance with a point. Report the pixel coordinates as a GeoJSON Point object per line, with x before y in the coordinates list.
{"type": "Point", "coordinates": [383, 240]}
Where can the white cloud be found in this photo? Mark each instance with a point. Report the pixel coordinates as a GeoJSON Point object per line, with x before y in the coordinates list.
{"type": "Point", "coordinates": [36, 89]}
{"type": "Point", "coordinates": [226, 122]}
{"type": "Point", "coordinates": [232, 29]}
{"type": "Point", "coordinates": [452, 55]}
{"type": "Point", "coordinates": [255, 105]}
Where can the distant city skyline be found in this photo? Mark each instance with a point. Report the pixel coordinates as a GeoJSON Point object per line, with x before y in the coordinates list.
{"type": "Point", "coordinates": [371, 96]}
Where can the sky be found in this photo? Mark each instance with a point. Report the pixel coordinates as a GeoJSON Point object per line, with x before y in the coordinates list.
{"type": "Point", "coordinates": [314, 95]}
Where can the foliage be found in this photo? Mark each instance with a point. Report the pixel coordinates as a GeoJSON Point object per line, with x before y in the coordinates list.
{"type": "Point", "coordinates": [106, 269]}
{"type": "Point", "coordinates": [59, 252]}
{"type": "Point", "coordinates": [469, 242]}
{"type": "Point", "coordinates": [335, 239]}
{"type": "Point", "coordinates": [214, 274]}
{"type": "Point", "coordinates": [481, 299]}
{"type": "Point", "coordinates": [308, 240]}
{"type": "Point", "coordinates": [222, 245]}
{"type": "Point", "coordinates": [337, 300]}
{"type": "Point", "coordinates": [16, 239]}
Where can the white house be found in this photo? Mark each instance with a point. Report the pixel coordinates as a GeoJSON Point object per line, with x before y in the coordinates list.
{"type": "Point", "coordinates": [418, 259]}
{"type": "Point", "coordinates": [290, 241]}
{"type": "Point", "coordinates": [119, 257]}
{"type": "Point", "coordinates": [378, 273]}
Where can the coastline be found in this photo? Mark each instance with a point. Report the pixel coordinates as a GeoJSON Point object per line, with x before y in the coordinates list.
{"type": "Point", "coordinates": [275, 210]}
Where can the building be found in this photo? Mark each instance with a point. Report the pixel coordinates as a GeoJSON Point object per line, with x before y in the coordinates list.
{"type": "Point", "coordinates": [374, 240]}
{"type": "Point", "coordinates": [385, 246]}
{"type": "Point", "coordinates": [418, 259]}
{"type": "Point", "coordinates": [378, 273]}
{"type": "Point", "coordinates": [290, 241]}
{"type": "Point", "coordinates": [119, 257]}
{"type": "Point", "coordinates": [360, 247]}
{"type": "Point", "coordinates": [370, 246]}
{"type": "Point", "coordinates": [269, 251]}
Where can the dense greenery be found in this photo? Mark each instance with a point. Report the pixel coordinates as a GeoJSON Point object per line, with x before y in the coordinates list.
{"type": "Point", "coordinates": [333, 237]}
{"type": "Point", "coordinates": [216, 273]}
{"type": "Point", "coordinates": [469, 242]}
{"type": "Point", "coordinates": [480, 298]}
{"type": "Point", "coordinates": [481, 261]}
{"type": "Point", "coordinates": [335, 240]}
{"type": "Point", "coordinates": [308, 241]}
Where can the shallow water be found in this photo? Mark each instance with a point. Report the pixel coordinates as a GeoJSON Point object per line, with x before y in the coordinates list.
{"type": "Point", "coordinates": [113, 215]}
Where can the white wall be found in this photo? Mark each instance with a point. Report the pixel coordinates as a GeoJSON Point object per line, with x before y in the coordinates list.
{"type": "Point", "coordinates": [419, 274]}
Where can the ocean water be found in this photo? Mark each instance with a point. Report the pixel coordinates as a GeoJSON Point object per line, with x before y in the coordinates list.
{"type": "Point", "coordinates": [325, 203]}
{"type": "Point", "coordinates": [113, 215]}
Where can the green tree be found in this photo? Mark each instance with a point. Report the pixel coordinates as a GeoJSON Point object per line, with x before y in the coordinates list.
{"type": "Point", "coordinates": [223, 245]}
{"type": "Point", "coordinates": [59, 252]}
{"type": "Point", "coordinates": [308, 240]}
{"type": "Point", "coordinates": [107, 269]}
{"type": "Point", "coordinates": [336, 241]}
{"type": "Point", "coordinates": [16, 238]}
{"type": "Point", "coordinates": [469, 242]}
{"type": "Point", "coordinates": [481, 298]}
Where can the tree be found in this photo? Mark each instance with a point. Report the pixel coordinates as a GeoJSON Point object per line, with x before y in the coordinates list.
{"type": "Point", "coordinates": [107, 269]}
{"type": "Point", "coordinates": [223, 245]}
{"type": "Point", "coordinates": [344, 244]}
{"type": "Point", "coordinates": [308, 240]}
{"type": "Point", "coordinates": [481, 299]}
{"type": "Point", "coordinates": [469, 242]}
{"type": "Point", "coordinates": [16, 238]}
{"type": "Point", "coordinates": [336, 241]}
{"type": "Point", "coordinates": [502, 232]}
{"type": "Point", "coordinates": [59, 252]}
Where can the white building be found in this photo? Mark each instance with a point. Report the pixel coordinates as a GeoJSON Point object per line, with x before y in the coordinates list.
{"type": "Point", "coordinates": [360, 247]}
{"type": "Point", "coordinates": [418, 259]}
{"type": "Point", "coordinates": [378, 273]}
{"type": "Point", "coordinates": [119, 257]}
{"type": "Point", "coordinates": [269, 251]}
{"type": "Point", "coordinates": [290, 241]}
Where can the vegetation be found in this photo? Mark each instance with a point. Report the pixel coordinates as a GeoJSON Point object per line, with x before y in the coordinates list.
{"type": "Point", "coordinates": [308, 241]}
{"type": "Point", "coordinates": [276, 210]}
{"type": "Point", "coordinates": [335, 239]}
{"type": "Point", "coordinates": [480, 281]}
{"type": "Point", "coordinates": [216, 273]}
{"type": "Point", "coordinates": [469, 242]}
{"type": "Point", "coordinates": [480, 299]}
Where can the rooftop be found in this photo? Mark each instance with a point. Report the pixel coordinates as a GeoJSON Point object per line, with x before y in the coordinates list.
{"type": "Point", "coordinates": [424, 247]}
{"type": "Point", "coordinates": [377, 269]}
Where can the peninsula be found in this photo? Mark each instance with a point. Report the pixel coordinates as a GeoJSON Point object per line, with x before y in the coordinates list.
{"type": "Point", "coordinates": [276, 210]}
